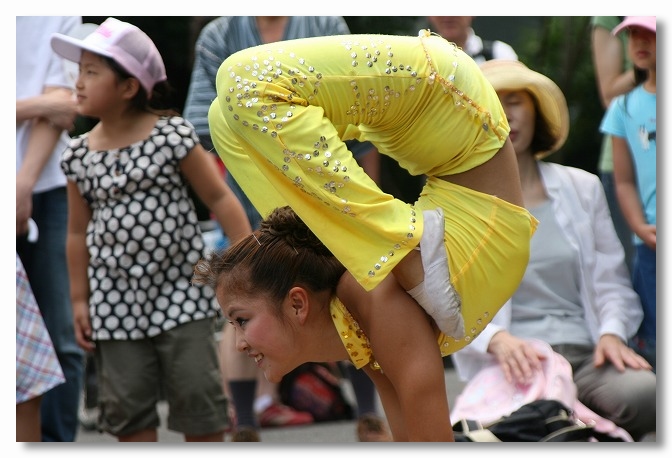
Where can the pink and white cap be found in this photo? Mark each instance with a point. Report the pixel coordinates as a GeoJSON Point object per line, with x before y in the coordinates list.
{"type": "Point", "coordinates": [126, 44]}
{"type": "Point", "coordinates": [647, 22]}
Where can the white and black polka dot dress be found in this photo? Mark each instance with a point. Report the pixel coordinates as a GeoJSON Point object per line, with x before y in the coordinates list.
{"type": "Point", "coordinates": [143, 237]}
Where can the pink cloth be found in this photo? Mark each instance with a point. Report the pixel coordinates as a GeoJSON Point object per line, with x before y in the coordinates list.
{"type": "Point", "coordinates": [488, 396]}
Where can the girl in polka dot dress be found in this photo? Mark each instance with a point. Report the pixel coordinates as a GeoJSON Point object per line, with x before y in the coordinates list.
{"type": "Point", "coordinates": [133, 239]}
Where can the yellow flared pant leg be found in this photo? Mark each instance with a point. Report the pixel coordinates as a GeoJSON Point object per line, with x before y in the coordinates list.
{"type": "Point", "coordinates": [283, 110]}
{"type": "Point", "coordinates": [306, 165]}
{"type": "Point", "coordinates": [488, 244]}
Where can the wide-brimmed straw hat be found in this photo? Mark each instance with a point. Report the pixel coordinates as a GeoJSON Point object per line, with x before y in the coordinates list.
{"type": "Point", "coordinates": [512, 75]}
{"type": "Point", "coordinates": [647, 22]}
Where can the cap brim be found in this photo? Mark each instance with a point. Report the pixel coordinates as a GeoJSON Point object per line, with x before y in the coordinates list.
{"type": "Point", "coordinates": [81, 31]}
{"type": "Point", "coordinates": [635, 22]}
{"type": "Point", "coordinates": [71, 48]}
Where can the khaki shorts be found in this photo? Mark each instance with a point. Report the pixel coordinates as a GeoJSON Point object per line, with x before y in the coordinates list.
{"type": "Point", "coordinates": [183, 361]}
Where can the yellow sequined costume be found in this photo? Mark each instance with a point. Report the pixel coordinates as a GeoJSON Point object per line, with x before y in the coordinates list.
{"type": "Point", "coordinates": [281, 115]}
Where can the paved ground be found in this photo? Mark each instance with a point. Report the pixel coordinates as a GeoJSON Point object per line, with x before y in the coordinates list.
{"type": "Point", "coordinates": [342, 432]}
{"type": "Point", "coordinates": [328, 432]}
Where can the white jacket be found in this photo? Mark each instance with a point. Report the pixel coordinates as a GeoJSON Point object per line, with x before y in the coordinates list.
{"type": "Point", "coordinates": [611, 305]}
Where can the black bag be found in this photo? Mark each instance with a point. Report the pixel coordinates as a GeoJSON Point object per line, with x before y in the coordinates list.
{"type": "Point", "coordinates": [315, 388]}
{"type": "Point", "coordinates": [544, 420]}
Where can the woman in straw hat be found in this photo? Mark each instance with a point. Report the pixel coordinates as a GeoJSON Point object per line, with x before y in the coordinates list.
{"type": "Point", "coordinates": [575, 294]}
{"type": "Point", "coordinates": [279, 123]}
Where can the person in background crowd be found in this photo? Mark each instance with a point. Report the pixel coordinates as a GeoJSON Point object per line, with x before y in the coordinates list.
{"type": "Point", "coordinates": [631, 122]}
{"type": "Point", "coordinates": [45, 110]}
{"type": "Point", "coordinates": [614, 75]}
{"type": "Point", "coordinates": [133, 239]}
{"type": "Point", "coordinates": [37, 368]}
{"type": "Point", "coordinates": [458, 30]}
{"type": "Point", "coordinates": [576, 294]}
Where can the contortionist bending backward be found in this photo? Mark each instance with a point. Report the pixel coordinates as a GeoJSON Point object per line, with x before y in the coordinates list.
{"type": "Point", "coordinates": [279, 121]}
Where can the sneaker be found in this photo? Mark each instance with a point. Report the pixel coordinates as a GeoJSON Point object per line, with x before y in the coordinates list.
{"type": "Point", "coordinates": [88, 418]}
{"type": "Point", "coordinates": [246, 435]}
{"type": "Point", "coordinates": [88, 412]}
{"type": "Point", "coordinates": [282, 415]}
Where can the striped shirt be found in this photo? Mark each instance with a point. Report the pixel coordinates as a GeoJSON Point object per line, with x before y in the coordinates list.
{"type": "Point", "coordinates": [228, 34]}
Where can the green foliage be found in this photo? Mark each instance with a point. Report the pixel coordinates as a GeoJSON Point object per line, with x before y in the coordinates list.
{"type": "Point", "coordinates": [560, 48]}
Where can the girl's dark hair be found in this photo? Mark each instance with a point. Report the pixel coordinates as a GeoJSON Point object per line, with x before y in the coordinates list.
{"type": "Point", "coordinates": [640, 77]}
{"type": "Point", "coordinates": [161, 101]}
{"type": "Point", "coordinates": [281, 254]}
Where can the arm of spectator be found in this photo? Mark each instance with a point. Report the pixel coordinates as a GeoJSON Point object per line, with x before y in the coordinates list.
{"type": "Point", "coordinates": [77, 252]}
{"type": "Point", "coordinates": [43, 138]}
{"type": "Point", "coordinates": [628, 194]}
{"type": "Point", "coordinates": [616, 305]}
{"type": "Point", "coordinates": [517, 357]}
{"type": "Point", "coordinates": [201, 170]}
{"type": "Point", "coordinates": [471, 359]}
{"type": "Point", "coordinates": [612, 77]}
{"type": "Point", "coordinates": [56, 105]}
{"type": "Point", "coordinates": [612, 348]}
